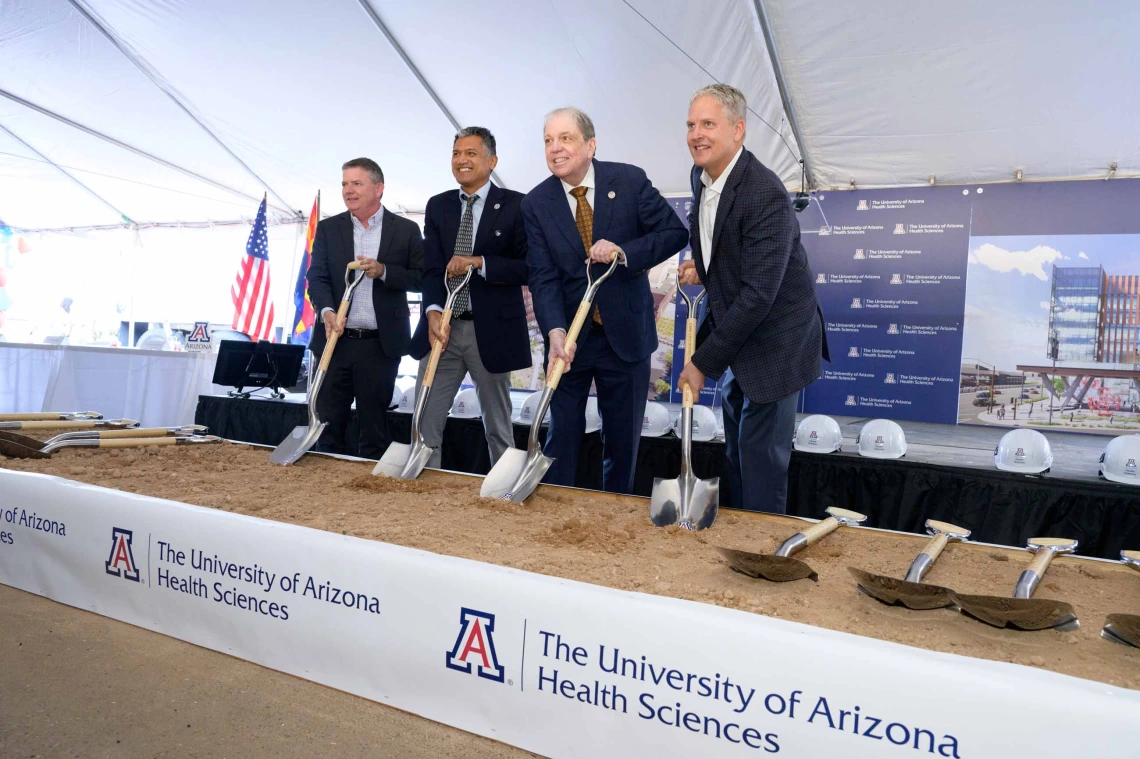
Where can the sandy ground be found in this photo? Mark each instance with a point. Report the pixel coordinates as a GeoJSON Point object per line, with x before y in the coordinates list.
{"type": "Point", "coordinates": [74, 684]}
{"type": "Point", "coordinates": [608, 540]}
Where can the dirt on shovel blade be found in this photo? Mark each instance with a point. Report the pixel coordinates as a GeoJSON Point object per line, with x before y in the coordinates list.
{"type": "Point", "coordinates": [1022, 613]}
{"type": "Point", "coordinates": [895, 592]}
{"type": "Point", "coordinates": [1126, 627]}
{"type": "Point", "coordinates": [772, 568]}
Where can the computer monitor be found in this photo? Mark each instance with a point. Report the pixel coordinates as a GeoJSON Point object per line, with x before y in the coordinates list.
{"type": "Point", "coordinates": [261, 364]}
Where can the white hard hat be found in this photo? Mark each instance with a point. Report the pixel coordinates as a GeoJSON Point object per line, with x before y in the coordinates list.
{"type": "Point", "coordinates": [818, 434]}
{"type": "Point", "coordinates": [1118, 462]}
{"type": "Point", "coordinates": [466, 405]}
{"type": "Point", "coordinates": [1024, 451]}
{"type": "Point", "coordinates": [655, 422]}
{"type": "Point", "coordinates": [407, 401]}
{"type": "Point", "coordinates": [704, 424]}
{"type": "Point", "coordinates": [881, 439]}
{"type": "Point", "coordinates": [593, 420]}
{"type": "Point", "coordinates": [529, 408]}
{"type": "Point", "coordinates": [397, 394]}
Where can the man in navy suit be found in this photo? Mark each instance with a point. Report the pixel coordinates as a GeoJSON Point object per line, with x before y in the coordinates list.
{"type": "Point", "coordinates": [375, 333]}
{"type": "Point", "coordinates": [479, 226]}
{"type": "Point", "coordinates": [582, 215]}
{"type": "Point", "coordinates": [763, 329]}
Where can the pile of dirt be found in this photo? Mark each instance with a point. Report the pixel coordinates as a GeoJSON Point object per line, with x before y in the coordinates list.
{"type": "Point", "coordinates": [608, 540]}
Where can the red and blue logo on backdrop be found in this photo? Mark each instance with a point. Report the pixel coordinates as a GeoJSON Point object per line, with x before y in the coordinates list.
{"type": "Point", "coordinates": [121, 562]}
{"type": "Point", "coordinates": [475, 644]}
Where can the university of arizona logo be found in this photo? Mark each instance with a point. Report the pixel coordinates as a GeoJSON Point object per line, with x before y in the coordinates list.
{"type": "Point", "coordinates": [879, 445]}
{"type": "Point", "coordinates": [890, 378]}
{"type": "Point", "coordinates": [1130, 467]}
{"type": "Point", "coordinates": [862, 206]}
{"type": "Point", "coordinates": [850, 401]}
{"type": "Point", "coordinates": [476, 643]}
{"type": "Point", "coordinates": [900, 229]}
{"type": "Point", "coordinates": [121, 562]}
{"type": "Point", "coordinates": [896, 279]}
{"type": "Point", "coordinates": [821, 279]}
{"type": "Point", "coordinates": [853, 352]}
{"type": "Point", "coordinates": [824, 231]}
{"type": "Point", "coordinates": [859, 255]}
{"type": "Point", "coordinates": [813, 438]}
{"type": "Point", "coordinates": [856, 303]}
{"type": "Point", "coordinates": [893, 329]}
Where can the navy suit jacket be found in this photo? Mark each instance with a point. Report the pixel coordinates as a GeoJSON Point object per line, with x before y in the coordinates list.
{"type": "Point", "coordinates": [402, 253]}
{"type": "Point", "coordinates": [497, 301]}
{"type": "Point", "coordinates": [766, 323]}
{"type": "Point", "coordinates": [629, 212]}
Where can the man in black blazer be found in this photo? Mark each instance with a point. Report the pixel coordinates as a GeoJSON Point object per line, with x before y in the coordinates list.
{"type": "Point", "coordinates": [479, 225]}
{"type": "Point", "coordinates": [763, 328]}
{"type": "Point", "coordinates": [375, 333]}
{"type": "Point", "coordinates": [585, 212]}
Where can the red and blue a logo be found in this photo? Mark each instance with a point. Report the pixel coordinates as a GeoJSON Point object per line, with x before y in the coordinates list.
{"type": "Point", "coordinates": [121, 562]}
{"type": "Point", "coordinates": [476, 643]}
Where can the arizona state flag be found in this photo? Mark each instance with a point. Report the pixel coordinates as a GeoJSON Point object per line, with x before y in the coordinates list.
{"type": "Point", "coordinates": [304, 316]}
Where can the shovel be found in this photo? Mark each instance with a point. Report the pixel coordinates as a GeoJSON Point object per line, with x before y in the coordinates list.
{"type": "Point", "coordinates": [405, 461]}
{"type": "Point", "coordinates": [912, 592]}
{"type": "Point", "coordinates": [82, 424]}
{"type": "Point", "coordinates": [301, 439]}
{"type": "Point", "coordinates": [686, 499]}
{"type": "Point", "coordinates": [31, 442]}
{"type": "Point", "coordinates": [781, 567]}
{"type": "Point", "coordinates": [1124, 628]}
{"type": "Point", "coordinates": [15, 450]}
{"type": "Point", "coordinates": [517, 473]}
{"type": "Point", "coordinates": [46, 416]}
{"type": "Point", "coordinates": [1023, 612]}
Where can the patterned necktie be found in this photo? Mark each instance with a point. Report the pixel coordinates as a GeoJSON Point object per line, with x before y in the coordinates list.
{"type": "Point", "coordinates": [463, 247]}
{"type": "Point", "coordinates": [584, 218]}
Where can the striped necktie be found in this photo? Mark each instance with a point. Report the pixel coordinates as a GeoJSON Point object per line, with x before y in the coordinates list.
{"type": "Point", "coordinates": [463, 247]}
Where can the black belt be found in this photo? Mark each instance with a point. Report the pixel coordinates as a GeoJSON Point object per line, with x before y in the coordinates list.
{"type": "Point", "coordinates": [467, 316]}
{"type": "Point", "coordinates": [361, 334]}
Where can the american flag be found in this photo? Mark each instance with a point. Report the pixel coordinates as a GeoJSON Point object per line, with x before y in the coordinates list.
{"type": "Point", "coordinates": [253, 307]}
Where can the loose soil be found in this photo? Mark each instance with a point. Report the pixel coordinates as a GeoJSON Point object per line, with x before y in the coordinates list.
{"type": "Point", "coordinates": [608, 540]}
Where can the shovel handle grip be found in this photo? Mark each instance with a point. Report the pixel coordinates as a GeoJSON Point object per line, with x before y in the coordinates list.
{"type": "Point", "coordinates": [571, 339]}
{"type": "Point", "coordinates": [341, 312]}
{"type": "Point", "coordinates": [436, 351]}
{"type": "Point", "coordinates": [137, 442]}
{"type": "Point", "coordinates": [934, 548]}
{"type": "Point", "coordinates": [818, 531]}
{"type": "Point", "coordinates": [354, 264]}
{"type": "Point", "coordinates": [690, 341]}
{"type": "Point", "coordinates": [73, 425]}
{"type": "Point", "coordinates": [137, 432]}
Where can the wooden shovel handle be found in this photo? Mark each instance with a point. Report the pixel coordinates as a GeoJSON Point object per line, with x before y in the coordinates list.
{"type": "Point", "coordinates": [1041, 561]}
{"type": "Point", "coordinates": [690, 341]}
{"type": "Point", "coordinates": [571, 339]}
{"type": "Point", "coordinates": [436, 351]}
{"type": "Point", "coordinates": [819, 530]}
{"type": "Point", "coordinates": [137, 432]}
{"type": "Point", "coordinates": [342, 312]}
{"type": "Point", "coordinates": [137, 442]}
{"type": "Point", "coordinates": [74, 425]}
{"type": "Point", "coordinates": [37, 416]}
{"type": "Point", "coordinates": [934, 548]}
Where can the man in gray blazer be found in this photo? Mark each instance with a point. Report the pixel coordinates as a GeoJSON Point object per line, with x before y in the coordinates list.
{"type": "Point", "coordinates": [762, 327]}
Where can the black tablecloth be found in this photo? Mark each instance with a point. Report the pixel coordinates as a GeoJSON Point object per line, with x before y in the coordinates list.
{"type": "Point", "coordinates": [1000, 507]}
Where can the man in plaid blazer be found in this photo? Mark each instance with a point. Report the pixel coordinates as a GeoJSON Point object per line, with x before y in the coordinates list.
{"type": "Point", "coordinates": [762, 328]}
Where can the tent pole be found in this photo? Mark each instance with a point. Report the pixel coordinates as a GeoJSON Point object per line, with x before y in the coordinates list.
{"type": "Point", "coordinates": [119, 144]}
{"type": "Point", "coordinates": [782, 85]}
{"type": "Point", "coordinates": [415, 72]}
{"type": "Point", "coordinates": [67, 174]}
{"type": "Point", "coordinates": [154, 79]}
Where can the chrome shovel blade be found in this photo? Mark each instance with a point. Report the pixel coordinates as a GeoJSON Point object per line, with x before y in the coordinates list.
{"type": "Point", "coordinates": [698, 512]}
{"type": "Point", "coordinates": [403, 461]}
{"type": "Point", "coordinates": [665, 502]}
{"type": "Point", "coordinates": [515, 476]}
{"type": "Point", "coordinates": [894, 592]}
{"type": "Point", "coordinates": [300, 440]}
{"type": "Point", "coordinates": [1123, 629]}
{"type": "Point", "coordinates": [1028, 614]}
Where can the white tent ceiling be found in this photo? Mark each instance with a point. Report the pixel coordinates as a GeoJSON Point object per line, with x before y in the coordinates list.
{"type": "Point", "coordinates": [273, 95]}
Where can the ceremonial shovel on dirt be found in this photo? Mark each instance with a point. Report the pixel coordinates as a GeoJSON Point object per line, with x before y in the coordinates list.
{"type": "Point", "coordinates": [686, 499]}
{"type": "Point", "coordinates": [1124, 628]}
{"type": "Point", "coordinates": [781, 567]}
{"type": "Point", "coordinates": [79, 424]}
{"type": "Point", "coordinates": [301, 439]}
{"type": "Point", "coordinates": [31, 442]}
{"type": "Point", "coordinates": [1023, 612]}
{"type": "Point", "coordinates": [912, 592]}
{"type": "Point", "coordinates": [405, 461]}
{"type": "Point", "coordinates": [15, 450]}
{"type": "Point", "coordinates": [47, 416]}
{"type": "Point", "coordinates": [517, 473]}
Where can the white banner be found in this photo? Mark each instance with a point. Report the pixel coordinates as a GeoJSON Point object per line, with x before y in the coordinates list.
{"type": "Point", "coordinates": [553, 666]}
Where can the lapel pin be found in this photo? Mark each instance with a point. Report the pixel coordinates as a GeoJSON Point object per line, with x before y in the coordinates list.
{"type": "Point", "coordinates": [497, 233]}
{"type": "Point", "coordinates": [496, 206]}
{"type": "Point", "coordinates": [612, 195]}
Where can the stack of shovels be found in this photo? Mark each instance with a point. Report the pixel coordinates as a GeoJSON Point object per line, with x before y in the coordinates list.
{"type": "Point", "coordinates": [1124, 628]}
{"type": "Point", "coordinates": [92, 431]}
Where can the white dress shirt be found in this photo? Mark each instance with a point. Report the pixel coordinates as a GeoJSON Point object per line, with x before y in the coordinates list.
{"type": "Point", "coordinates": [710, 201]}
{"type": "Point", "coordinates": [365, 242]}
